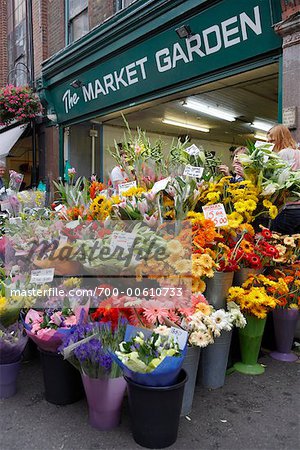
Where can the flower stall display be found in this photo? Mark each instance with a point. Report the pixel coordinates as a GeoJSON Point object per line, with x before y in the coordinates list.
{"type": "Point", "coordinates": [18, 103]}
{"type": "Point", "coordinates": [89, 348]}
{"type": "Point", "coordinates": [12, 344]}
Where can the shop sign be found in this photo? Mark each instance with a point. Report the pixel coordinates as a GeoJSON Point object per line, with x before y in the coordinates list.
{"type": "Point", "coordinates": [224, 34]}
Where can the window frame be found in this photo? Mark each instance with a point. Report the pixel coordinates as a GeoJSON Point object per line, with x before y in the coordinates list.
{"type": "Point", "coordinates": [69, 21]}
{"type": "Point", "coordinates": [14, 57]}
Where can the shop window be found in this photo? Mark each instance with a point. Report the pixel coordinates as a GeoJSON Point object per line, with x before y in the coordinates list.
{"type": "Point", "coordinates": [17, 42]}
{"type": "Point", "coordinates": [121, 4]}
{"type": "Point", "coordinates": [78, 20]}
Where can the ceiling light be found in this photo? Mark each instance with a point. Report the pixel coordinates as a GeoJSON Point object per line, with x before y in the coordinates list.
{"type": "Point", "coordinates": [264, 126]}
{"type": "Point", "coordinates": [76, 84]}
{"type": "Point", "coordinates": [185, 125]}
{"type": "Point", "coordinates": [184, 31]}
{"type": "Point", "coordinates": [215, 112]}
{"type": "Point", "coordinates": [261, 137]}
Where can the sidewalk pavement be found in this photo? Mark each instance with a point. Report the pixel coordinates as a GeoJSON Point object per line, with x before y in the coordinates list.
{"type": "Point", "coordinates": [248, 413]}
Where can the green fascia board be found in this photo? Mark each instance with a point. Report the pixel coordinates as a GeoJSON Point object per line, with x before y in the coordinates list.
{"type": "Point", "coordinates": [174, 89]}
{"type": "Point", "coordinates": [134, 23]}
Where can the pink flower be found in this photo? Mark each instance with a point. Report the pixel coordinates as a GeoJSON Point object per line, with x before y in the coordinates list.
{"type": "Point", "coordinates": [151, 221]}
{"type": "Point", "coordinates": [70, 321]}
{"type": "Point", "coordinates": [56, 318]}
{"type": "Point", "coordinates": [155, 312]}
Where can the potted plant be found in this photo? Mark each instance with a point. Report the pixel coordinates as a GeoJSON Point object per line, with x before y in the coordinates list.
{"type": "Point", "coordinates": [88, 348]}
{"type": "Point", "coordinates": [286, 313]}
{"type": "Point", "coordinates": [18, 103]}
{"type": "Point", "coordinates": [255, 302]}
{"type": "Point", "coordinates": [151, 362]}
{"type": "Point", "coordinates": [12, 344]}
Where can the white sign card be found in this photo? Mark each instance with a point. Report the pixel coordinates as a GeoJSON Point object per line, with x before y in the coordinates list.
{"type": "Point", "coordinates": [15, 220]}
{"type": "Point", "coordinates": [122, 239]}
{"type": "Point", "coordinates": [193, 171]}
{"type": "Point", "coordinates": [180, 336]}
{"type": "Point", "coordinates": [123, 187]}
{"type": "Point", "coordinates": [160, 185]}
{"type": "Point", "coordinates": [41, 276]}
{"type": "Point", "coordinates": [216, 213]}
{"type": "Point", "coordinates": [193, 150]}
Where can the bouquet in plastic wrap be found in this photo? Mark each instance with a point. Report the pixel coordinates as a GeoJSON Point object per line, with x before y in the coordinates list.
{"type": "Point", "coordinates": [15, 180]}
{"type": "Point", "coordinates": [152, 358]}
{"type": "Point", "coordinates": [12, 343]}
{"type": "Point", "coordinates": [49, 327]}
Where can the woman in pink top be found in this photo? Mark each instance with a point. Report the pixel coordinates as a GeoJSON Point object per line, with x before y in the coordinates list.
{"type": "Point", "coordinates": [288, 220]}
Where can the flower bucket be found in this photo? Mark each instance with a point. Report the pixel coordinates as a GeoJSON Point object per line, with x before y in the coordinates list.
{"type": "Point", "coordinates": [155, 412]}
{"type": "Point", "coordinates": [104, 397]}
{"type": "Point", "coordinates": [241, 275]}
{"type": "Point", "coordinates": [217, 289]}
{"type": "Point", "coordinates": [213, 362]}
{"type": "Point", "coordinates": [190, 365]}
{"type": "Point", "coordinates": [8, 379]}
{"type": "Point", "coordinates": [250, 340]}
{"type": "Point", "coordinates": [62, 381]}
{"type": "Point", "coordinates": [285, 322]}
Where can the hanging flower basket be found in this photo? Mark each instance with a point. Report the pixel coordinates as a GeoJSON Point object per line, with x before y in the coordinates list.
{"type": "Point", "coordinates": [18, 103]}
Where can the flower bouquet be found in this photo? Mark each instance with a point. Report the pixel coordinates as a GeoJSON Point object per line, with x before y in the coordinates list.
{"type": "Point", "coordinates": [15, 181]}
{"type": "Point", "coordinates": [151, 358]}
{"type": "Point", "coordinates": [48, 328]}
{"type": "Point", "coordinates": [89, 348]}
{"type": "Point", "coordinates": [12, 344]}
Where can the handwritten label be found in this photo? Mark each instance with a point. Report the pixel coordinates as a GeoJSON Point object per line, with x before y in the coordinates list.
{"type": "Point", "coordinates": [216, 213]}
{"type": "Point", "coordinates": [41, 276]}
{"type": "Point", "coordinates": [193, 150]}
{"type": "Point", "coordinates": [160, 185]}
{"type": "Point", "coordinates": [122, 239]}
{"type": "Point", "coordinates": [193, 171]}
{"type": "Point", "coordinates": [123, 187]}
{"type": "Point", "coordinates": [180, 336]}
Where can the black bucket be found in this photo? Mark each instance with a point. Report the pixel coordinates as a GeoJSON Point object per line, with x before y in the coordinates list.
{"type": "Point", "coordinates": [63, 384]}
{"type": "Point", "coordinates": [155, 412]}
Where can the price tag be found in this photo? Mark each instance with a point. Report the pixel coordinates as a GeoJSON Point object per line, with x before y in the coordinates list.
{"type": "Point", "coordinates": [193, 150]}
{"type": "Point", "coordinates": [122, 239]}
{"type": "Point", "coordinates": [160, 185]}
{"type": "Point", "coordinates": [266, 145]}
{"type": "Point", "coordinates": [216, 213]}
{"type": "Point", "coordinates": [41, 276]}
{"type": "Point", "coordinates": [180, 336]}
{"type": "Point", "coordinates": [193, 171]}
{"type": "Point", "coordinates": [15, 220]}
{"type": "Point", "coordinates": [123, 187]}
{"type": "Point", "coordinates": [63, 240]}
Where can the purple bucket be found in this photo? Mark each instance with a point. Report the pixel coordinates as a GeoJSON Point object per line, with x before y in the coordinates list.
{"type": "Point", "coordinates": [105, 397]}
{"type": "Point", "coordinates": [8, 379]}
{"type": "Point", "coordinates": [285, 322]}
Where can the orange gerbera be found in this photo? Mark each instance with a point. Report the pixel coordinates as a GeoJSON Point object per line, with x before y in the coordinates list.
{"type": "Point", "coordinates": [282, 301]}
{"type": "Point", "coordinates": [95, 188]}
{"type": "Point", "coordinates": [246, 247]}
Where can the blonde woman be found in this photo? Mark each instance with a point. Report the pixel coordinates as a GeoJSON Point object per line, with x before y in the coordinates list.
{"type": "Point", "coordinates": [288, 220]}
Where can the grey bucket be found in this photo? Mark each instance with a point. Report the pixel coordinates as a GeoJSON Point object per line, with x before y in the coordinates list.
{"type": "Point", "coordinates": [190, 365]}
{"type": "Point", "coordinates": [217, 289]}
{"type": "Point", "coordinates": [213, 362]}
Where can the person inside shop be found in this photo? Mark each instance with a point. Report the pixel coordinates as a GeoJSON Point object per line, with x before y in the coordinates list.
{"type": "Point", "coordinates": [2, 173]}
{"type": "Point", "coordinates": [118, 175]}
{"type": "Point", "coordinates": [237, 172]}
{"type": "Point", "coordinates": [288, 219]}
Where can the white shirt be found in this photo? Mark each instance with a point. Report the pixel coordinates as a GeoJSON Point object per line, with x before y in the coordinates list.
{"type": "Point", "coordinates": [117, 174]}
{"type": "Point", "coordinates": [291, 156]}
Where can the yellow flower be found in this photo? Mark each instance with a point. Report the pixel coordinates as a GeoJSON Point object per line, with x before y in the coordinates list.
{"type": "Point", "coordinates": [3, 304]}
{"type": "Point", "coordinates": [183, 266]}
{"type": "Point", "coordinates": [273, 211]}
{"type": "Point", "coordinates": [234, 219]}
{"type": "Point", "coordinates": [203, 308]}
{"type": "Point", "coordinates": [240, 207]}
{"type": "Point", "coordinates": [198, 285]}
{"type": "Point", "coordinates": [175, 247]}
{"type": "Point", "coordinates": [133, 191]}
{"type": "Point", "coordinates": [293, 306]}
{"type": "Point", "coordinates": [250, 205]}
{"type": "Point", "coordinates": [267, 204]}
{"type": "Point", "coordinates": [246, 227]}
{"type": "Point", "coordinates": [213, 196]}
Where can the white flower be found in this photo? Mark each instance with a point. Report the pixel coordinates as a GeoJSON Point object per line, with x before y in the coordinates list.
{"type": "Point", "coordinates": [222, 320]}
{"type": "Point", "coordinates": [200, 339]}
{"type": "Point", "coordinates": [162, 330]}
{"type": "Point", "coordinates": [270, 188]}
{"type": "Point", "coordinates": [238, 319]}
